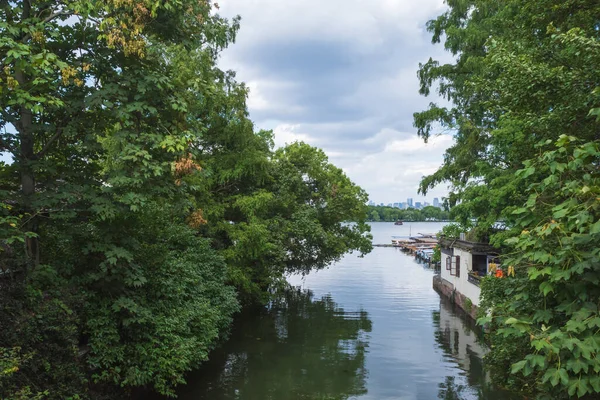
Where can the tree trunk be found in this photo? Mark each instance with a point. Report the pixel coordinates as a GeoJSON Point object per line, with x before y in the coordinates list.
{"type": "Point", "coordinates": [26, 159]}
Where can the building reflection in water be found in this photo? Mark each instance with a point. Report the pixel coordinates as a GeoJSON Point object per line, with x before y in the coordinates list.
{"type": "Point", "coordinates": [461, 340]}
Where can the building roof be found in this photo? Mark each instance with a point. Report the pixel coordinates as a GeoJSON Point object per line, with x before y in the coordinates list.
{"type": "Point", "coordinates": [471, 247]}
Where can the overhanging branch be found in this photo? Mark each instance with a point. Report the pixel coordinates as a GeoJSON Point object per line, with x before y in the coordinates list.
{"type": "Point", "coordinates": [49, 18]}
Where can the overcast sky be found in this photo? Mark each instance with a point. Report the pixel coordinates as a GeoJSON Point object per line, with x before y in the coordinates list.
{"type": "Point", "coordinates": [342, 75]}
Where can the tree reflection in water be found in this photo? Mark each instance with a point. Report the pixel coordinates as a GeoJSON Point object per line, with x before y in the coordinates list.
{"type": "Point", "coordinates": [296, 348]}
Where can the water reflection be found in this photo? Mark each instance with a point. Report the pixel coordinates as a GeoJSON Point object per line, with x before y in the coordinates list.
{"type": "Point", "coordinates": [461, 341]}
{"type": "Point", "coordinates": [297, 348]}
{"type": "Point", "coordinates": [393, 339]}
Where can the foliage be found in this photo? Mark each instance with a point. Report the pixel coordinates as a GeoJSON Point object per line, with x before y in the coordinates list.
{"type": "Point", "coordinates": [504, 348]}
{"type": "Point", "coordinates": [560, 254]}
{"type": "Point", "coordinates": [39, 353]}
{"type": "Point", "coordinates": [276, 212]}
{"type": "Point", "coordinates": [390, 214]}
{"type": "Point", "coordinates": [468, 305]}
{"type": "Point", "coordinates": [436, 257]}
{"type": "Point", "coordinates": [524, 71]}
{"type": "Point", "coordinates": [140, 196]}
{"type": "Point", "coordinates": [524, 94]}
{"type": "Point", "coordinates": [452, 231]}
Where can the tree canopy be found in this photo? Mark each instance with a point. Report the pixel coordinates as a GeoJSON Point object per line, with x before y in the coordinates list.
{"type": "Point", "coordinates": [391, 214]}
{"type": "Point", "coordinates": [525, 94]}
{"type": "Point", "coordinates": [141, 206]}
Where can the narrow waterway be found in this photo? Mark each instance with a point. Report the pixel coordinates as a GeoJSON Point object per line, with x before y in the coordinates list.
{"type": "Point", "coordinates": [366, 328]}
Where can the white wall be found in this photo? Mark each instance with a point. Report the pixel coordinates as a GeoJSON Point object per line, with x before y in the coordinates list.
{"type": "Point", "coordinates": [462, 341]}
{"type": "Point", "coordinates": [461, 283]}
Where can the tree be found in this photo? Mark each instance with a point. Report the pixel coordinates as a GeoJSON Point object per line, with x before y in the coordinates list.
{"type": "Point", "coordinates": [281, 212]}
{"type": "Point", "coordinates": [374, 215]}
{"type": "Point", "coordinates": [96, 120]}
{"type": "Point", "coordinates": [431, 213]}
{"type": "Point", "coordinates": [523, 91]}
{"type": "Point", "coordinates": [143, 195]}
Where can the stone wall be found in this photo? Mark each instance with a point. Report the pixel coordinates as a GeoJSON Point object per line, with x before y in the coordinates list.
{"type": "Point", "coordinates": [446, 289]}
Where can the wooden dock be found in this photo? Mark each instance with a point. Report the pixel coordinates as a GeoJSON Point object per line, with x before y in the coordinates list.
{"type": "Point", "coordinates": [421, 247]}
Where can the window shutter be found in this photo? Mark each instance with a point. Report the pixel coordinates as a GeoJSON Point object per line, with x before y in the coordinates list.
{"type": "Point", "coordinates": [457, 266]}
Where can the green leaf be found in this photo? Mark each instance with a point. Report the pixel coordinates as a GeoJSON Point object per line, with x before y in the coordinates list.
{"type": "Point", "coordinates": [546, 288]}
{"type": "Point", "coordinates": [595, 228]}
{"type": "Point", "coordinates": [518, 366]}
{"type": "Point", "coordinates": [564, 376]}
{"type": "Point", "coordinates": [537, 360]}
{"type": "Point", "coordinates": [577, 365]}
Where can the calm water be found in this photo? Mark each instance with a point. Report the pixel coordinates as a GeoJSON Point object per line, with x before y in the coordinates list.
{"type": "Point", "coordinates": [366, 328]}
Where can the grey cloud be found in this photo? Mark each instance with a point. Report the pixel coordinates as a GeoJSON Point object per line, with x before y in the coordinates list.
{"type": "Point", "coordinates": [330, 81]}
{"type": "Point", "coordinates": [346, 83]}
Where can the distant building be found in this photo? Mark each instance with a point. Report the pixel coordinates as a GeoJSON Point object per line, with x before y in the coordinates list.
{"type": "Point", "coordinates": [389, 204]}
{"type": "Point", "coordinates": [371, 203]}
{"type": "Point", "coordinates": [404, 205]}
{"type": "Point", "coordinates": [418, 205]}
{"type": "Point", "coordinates": [409, 201]}
{"type": "Point", "coordinates": [395, 205]}
{"type": "Point", "coordinates": [426, 204]}
{"type": "Point", "coordinates": [436, 202]}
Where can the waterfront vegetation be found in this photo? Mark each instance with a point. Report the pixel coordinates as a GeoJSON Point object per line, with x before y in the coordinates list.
{"type": "Point", "coordinates": [524, 88]}
{"type": "Point", "coordinates": [141, 208]}
{"type": "Point", "coordinates": [392, 214]}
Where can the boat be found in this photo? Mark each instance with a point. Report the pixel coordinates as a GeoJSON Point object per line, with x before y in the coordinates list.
{"type": "Point", "coordinates": [398, 223]}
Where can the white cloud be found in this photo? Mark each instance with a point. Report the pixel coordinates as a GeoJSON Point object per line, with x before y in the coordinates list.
{"type": "Point", "coordinates": [288, 134]}
{"type": "Point", "coordinates": [399, 167]}
{"type": "Point", "coordinates": [342, 75]}
{"type": "Point", "coordinates": [416, 144]}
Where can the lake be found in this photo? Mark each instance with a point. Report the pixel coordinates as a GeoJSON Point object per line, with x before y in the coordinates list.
{"type": "Point", "coordinates": [367, 328]}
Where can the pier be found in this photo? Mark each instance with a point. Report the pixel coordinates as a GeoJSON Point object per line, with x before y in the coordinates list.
{"type": "Point", "coordinates": [421, 246]}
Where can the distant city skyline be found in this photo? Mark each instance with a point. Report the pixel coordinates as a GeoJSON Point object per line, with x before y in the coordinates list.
{"type": "Point", "coordinates": [410, 202]}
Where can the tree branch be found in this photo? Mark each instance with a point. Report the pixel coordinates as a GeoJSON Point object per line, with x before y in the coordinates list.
{"type": "Point", "coordinates": [46, 147]}
{"type": "Point", "coordinates": [55, 15]}
{"type": "Point", "coordinates": [9, 118]}
{"type": "Point", "coordinates": [49, 18]}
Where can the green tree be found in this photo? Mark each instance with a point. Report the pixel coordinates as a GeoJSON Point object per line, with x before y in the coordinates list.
{"type": "Point", "coordinates": [292, 214]}
{"type": "Point", "coordinates": [143, 196]}
{"type": "Point", "coordinates": [523, 90]}
{"type": "Point", "coordinates": [389, 214]}
{"type": "Point", "coordinates": [96, 120]}
{"type": "Point", "coordinates": [431, 213]}
{"type": "Point", "coordinates": [374, 215]}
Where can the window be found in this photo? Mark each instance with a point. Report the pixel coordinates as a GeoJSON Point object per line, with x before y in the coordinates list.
{"type": "Point", "coordinates": [480, 262]}
{"type": "Point", "coordinates": [454, 265]}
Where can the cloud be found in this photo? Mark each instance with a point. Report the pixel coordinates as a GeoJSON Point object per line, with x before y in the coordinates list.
{"type": "Point", "coordinates": [287, 134]}
{"type": "Point", "coordinates": [399, 167]}
{"type": "Point", "coordinates": [342, 75]}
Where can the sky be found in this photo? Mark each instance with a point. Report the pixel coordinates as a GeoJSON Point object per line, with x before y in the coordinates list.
{"type": "Point", "coordinates": [342, 75]}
